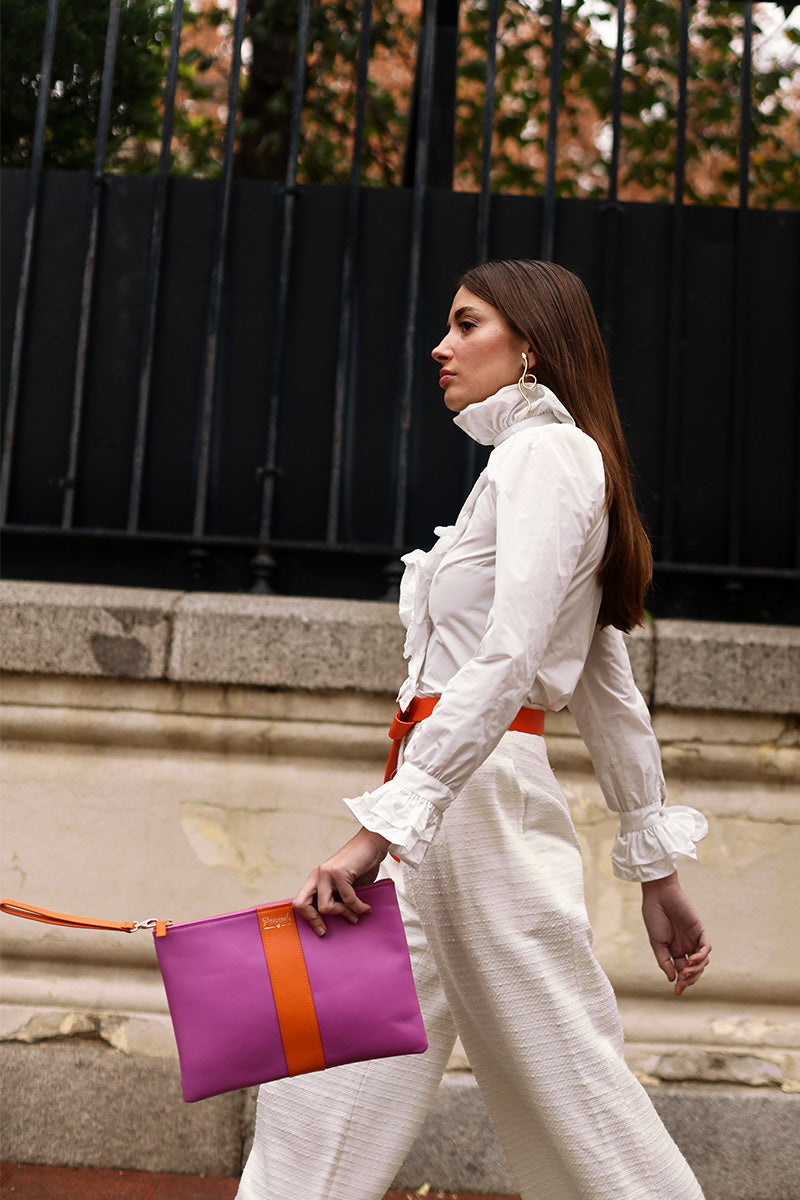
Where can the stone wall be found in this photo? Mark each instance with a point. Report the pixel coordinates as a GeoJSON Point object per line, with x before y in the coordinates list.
{"type": "Point", "coordinates": [179, 755]}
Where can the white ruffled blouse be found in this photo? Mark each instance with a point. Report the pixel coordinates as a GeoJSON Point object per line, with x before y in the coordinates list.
{"type": "Point", "coordinates": [502, 612]}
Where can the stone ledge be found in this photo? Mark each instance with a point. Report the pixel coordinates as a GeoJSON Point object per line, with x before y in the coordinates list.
{"type": "Point", "coordinates": [287, 642]}
{"type": "Point", "coordinates": [738, 668]}
{"type": "Point", "coordinates": [70, 629]}
{"type": "Point", "coordinates": [284, 642]}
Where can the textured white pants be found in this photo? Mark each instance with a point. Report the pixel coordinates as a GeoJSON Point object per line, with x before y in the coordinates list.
{"type": "Point", "coordinates": [502, 953]}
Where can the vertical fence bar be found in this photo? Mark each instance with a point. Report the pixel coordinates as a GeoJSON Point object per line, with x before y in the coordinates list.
{"type": "Point", "coordinates": [213, 312]}
{"type": "Point", "coordinates": [31, 214]}
{"type": "Point", "coordinates": [154, 273]}
{"type": "Point", "coordinates": [485, 198]}
{"type": "Point", "coordinates": [414, 271]}
{"type": "Point", "coordinates": [612, 206]}
{"type": "Point", "coordinates": [343, 364]}
{"type": "Point", "coordinates": [263, 564]}
{"type": "Point", "coordinates": [549, 211]}
{"type": "Point", "coordinates": [797, 479]}
{"type": "Point", "coordinates": [674, 366]}
{"type": "Point", "coordinates": [90, 262]}
{"type": "Point", "coordinates": [739, 390]}
{"type": "Point", "coordinates": [443, 111]}
{"type": "Point", "coordinates": [616, 105]}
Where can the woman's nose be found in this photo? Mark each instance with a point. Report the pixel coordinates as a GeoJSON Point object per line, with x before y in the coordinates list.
{"type": "Point", "coordinates": [442, 351]}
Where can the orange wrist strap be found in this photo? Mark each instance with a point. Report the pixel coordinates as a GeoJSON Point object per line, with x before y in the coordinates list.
{"type": "Point", "coordinates": [32, 912]}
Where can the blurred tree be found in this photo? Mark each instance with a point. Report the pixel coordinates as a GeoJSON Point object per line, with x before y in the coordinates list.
{"type": "Point", "coordinates": [649, 101]}
{"type": "Point", "coordinates": [73, 106]}
{"type": "Point", "coordinates": [77, 77]}
{"type": "Point", "coordinates": [650, 104]}
{"type": "Point", "coordinates": [649, 98]}
{"type": "Point", "coordinates": [330, 90]}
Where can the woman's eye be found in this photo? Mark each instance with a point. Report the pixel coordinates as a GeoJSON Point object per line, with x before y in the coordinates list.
{"type": "Point", "coordinates": [465, 326]}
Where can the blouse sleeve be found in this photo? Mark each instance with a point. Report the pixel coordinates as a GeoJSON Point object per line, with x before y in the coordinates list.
{"type": "Point", "coordinates": [613, 720]}
{"type": "Point", "coordinates": [548, 491]}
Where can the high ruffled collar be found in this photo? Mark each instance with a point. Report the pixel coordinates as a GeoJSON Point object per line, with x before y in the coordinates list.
{"type": "Point", "coordinates": [493, 420]}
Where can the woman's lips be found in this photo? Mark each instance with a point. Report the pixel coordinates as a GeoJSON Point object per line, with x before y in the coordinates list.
{"type": "Point", "coordinates": [445, 377]}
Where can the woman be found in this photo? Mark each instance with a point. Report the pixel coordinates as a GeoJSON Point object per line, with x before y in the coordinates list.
{"type": "Point", "coordinates": [517, 609]}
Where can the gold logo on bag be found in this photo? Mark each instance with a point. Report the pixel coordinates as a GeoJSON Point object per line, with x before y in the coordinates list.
{"type": "Point", "coordinates": [275, 920]}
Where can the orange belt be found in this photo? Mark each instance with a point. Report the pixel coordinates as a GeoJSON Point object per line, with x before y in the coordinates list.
{"type": "Point", "coordinates": [527, 720]}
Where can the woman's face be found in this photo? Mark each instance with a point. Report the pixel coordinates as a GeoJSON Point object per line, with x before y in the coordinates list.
{"type": "Point", "coordinates": [479, 354]}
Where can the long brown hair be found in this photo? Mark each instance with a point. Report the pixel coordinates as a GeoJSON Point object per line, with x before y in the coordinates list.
{"type": "Point", "coordinates": [549, 307]}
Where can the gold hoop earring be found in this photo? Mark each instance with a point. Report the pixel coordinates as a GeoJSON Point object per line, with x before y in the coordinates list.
{"type": "Point", "coordinates": [527, 384]}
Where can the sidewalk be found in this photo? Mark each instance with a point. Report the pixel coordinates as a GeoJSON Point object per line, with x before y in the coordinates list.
{"type": "Point", "coordinates": [25, 1182]}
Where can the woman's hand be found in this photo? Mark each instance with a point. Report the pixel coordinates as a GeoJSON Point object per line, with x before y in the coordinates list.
{"type": "Point", "coordinates": [331, 884]}
{"type": "Point", "coordinates": [679, 940]}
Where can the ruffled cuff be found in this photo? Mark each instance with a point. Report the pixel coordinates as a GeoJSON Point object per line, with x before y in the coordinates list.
{"type": "Point", "coordinates": [407, 810]}
{"type": "Point", "coordinates": [651, 839]}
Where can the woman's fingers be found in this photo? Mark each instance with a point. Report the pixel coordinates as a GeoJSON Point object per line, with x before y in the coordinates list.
{"type": "Point", "coordinates": [337, 897]}
{"type": "Point", "coordinates": [664, 960]}
{"type": "Point", "coordinates": [343, 900]}
{"type": "Point", "coordinates": [685, 979]}
{"type": "Point", "coordinates": [691, 966]}
{"type": "Point", "coordinates": [330, 888]}
{"type": "Point", "coordinates": [324, 893]}
{"type": "Point", "coordinates": [303, 904]}
{"type": "Point", "coordinates": [699, 957]}
{"type": "Point", "coordinates": [682, 969]}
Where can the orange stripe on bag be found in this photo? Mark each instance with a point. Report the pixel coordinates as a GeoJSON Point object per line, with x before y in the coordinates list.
{"type": "Point", "coordinates": [291, 989]}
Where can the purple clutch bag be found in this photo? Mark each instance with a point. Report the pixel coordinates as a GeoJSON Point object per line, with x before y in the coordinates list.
{"type": "Point", "coordinates": [256, 995]}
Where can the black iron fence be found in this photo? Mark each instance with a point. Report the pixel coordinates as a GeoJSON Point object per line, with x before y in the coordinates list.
{"type": "Point", "coordinates": [224, 383]}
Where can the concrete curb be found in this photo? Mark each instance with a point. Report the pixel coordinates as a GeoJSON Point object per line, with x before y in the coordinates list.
{"type": "Point", "coordinates": [81, 1104]}
{"type": "Point", "coordinates": [741, 1142]}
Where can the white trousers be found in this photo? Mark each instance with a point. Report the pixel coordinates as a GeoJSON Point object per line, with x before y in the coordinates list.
{"type": "Point", "coordinates": [502, 954]}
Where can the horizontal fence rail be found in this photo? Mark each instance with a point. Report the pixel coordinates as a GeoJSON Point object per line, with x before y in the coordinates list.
{"type": "Point", "coordinates": [225, 382]}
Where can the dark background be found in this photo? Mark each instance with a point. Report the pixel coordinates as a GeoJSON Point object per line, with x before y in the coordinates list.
{"type": "Point", "coordinates": [690, 491]}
